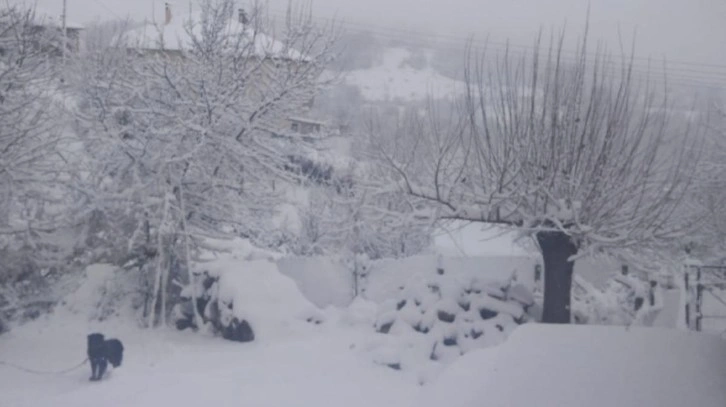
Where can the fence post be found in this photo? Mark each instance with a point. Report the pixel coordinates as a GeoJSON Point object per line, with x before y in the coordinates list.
{"type": "Point", "coordinates": [699, 295]}
{"type": "Point", "coordinates": [687, 290]}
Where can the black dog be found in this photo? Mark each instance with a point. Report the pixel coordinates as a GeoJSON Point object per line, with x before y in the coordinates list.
{"type": "Point", "coordinates": [101, 352]}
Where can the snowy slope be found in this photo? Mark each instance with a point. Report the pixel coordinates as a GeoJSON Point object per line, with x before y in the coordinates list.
{"type": "Point", "coordinates": [394, 80]}
{"type": "Point", "coordinates": [594, 366]}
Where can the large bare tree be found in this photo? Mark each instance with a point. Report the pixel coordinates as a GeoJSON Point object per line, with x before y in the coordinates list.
{"type": "Point", "coordinates": [577, 149]}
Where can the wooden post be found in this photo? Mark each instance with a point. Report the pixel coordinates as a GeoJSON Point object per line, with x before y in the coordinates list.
{"type": "Point", "coordinates": [65, 32]}
{"type": "Point", "coordinates": [688, 298]}
{"type": "Point", "coordinates": [699, 295]}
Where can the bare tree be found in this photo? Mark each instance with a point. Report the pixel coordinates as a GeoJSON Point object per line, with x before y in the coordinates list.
{"type": "Point", "coordinates": [31, 168]}
{"type": "Point", "coordinates": [28, 136]}
{"type": "Point", "coordinates": [187, 130]}
{"type": "Point", "coordinates": [578, 151]}
{"type": "Point", "coordinates": [711, 197]}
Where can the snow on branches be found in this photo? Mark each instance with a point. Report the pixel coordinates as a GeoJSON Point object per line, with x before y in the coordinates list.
{"type": "Point", "coordinates": [578, 151]}
{"type": "Point", "coordinates": [186, 128]}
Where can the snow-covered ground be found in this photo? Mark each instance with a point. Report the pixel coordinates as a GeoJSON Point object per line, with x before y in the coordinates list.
{"type": "Point", "coordinates": [394, 80]}
{"type": "Point", "coordinates": [539, 365]}
{"type": "Point", "coordinates": [183, 369]}
{"type": "Point", "coordinates": [593, 366]}
{"type": "Point", "coordinates": [291, 363]}
{"type": "Point", "coordinates": [343, 361]}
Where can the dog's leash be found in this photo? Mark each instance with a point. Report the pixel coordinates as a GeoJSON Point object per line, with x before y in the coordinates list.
{"type": "Point", "coordinates": [25, 369]}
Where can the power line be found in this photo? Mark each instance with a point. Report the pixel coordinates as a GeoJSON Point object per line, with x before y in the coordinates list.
{"type": "Point", "coordinates": [381, 28]}
{"type": "Point", "coordinates": [642, 66]}
{"type": "Point", "coordinates": [107, 8]}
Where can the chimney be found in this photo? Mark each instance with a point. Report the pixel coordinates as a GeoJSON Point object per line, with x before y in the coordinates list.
{"type": "Point", "coordinates": [243, 16]}
{"type": "Point", "coordinates": [167, 13]}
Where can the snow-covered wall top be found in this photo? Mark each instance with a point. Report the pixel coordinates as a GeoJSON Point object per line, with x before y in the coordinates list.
{"type": "Point", "coordinates": [466, 239]}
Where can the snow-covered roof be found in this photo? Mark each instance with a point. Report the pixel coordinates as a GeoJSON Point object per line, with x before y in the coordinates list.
{"type": "Point", "coordinates": [175, 36]}
{"type": "Point", "coordinates": [307, 120]}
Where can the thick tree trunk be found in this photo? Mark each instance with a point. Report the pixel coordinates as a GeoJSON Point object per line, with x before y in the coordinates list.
{"type": "Point", "coordinates": [557, 247]}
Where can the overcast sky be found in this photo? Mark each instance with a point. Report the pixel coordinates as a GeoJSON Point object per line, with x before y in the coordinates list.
{"type": "Point", "coordinates": [686, 30]}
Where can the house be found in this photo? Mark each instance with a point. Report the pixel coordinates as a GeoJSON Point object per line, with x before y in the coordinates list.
{"type": "Point", "coordinates": [175, 35]}
{"type": "Point", "coordinates": [172, 37]}
{"type": "Point", "coordinates": [46, 30]}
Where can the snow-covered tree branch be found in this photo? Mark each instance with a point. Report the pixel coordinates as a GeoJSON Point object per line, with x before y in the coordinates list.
{"type": "Point", "coordinates": [579, 151]}
{"type": "Point", "coordinates": [29, 134]}
{"type": "Point", "coordinates": [185, 123]}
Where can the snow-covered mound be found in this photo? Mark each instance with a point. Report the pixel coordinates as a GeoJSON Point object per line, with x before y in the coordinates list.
{"type": "Point", "coordinates": [394, 80]}
{"type": "Point", "coordinates": [258, 293]}
{"type": "Point", "coordinates": [243, 296]}
{"type": "Point", "coordinates": [595, 366]}
{"type": "Point", "coordinates": [323, 280]}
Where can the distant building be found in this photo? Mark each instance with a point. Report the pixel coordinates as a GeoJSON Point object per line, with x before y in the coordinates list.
{"type": "Point", "coordinates": [45, 23]}
{"type": "Point", "coordinates": [303, 125]}
{"type": "Point", "coordinates": [172, 38]}
{"type": "Point", "coordinates": [47, 33]}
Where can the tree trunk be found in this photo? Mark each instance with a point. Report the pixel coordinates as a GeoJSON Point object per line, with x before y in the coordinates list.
{"type": "Point", "coordinates": [557, 247]}
{"type": "Point", "coordinates": [188, 260]}
{"type": "Point", "coordinates": [159, 261]}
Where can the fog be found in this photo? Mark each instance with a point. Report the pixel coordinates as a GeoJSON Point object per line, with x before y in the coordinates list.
{"type": "Point", "coordinates": [681, 31]}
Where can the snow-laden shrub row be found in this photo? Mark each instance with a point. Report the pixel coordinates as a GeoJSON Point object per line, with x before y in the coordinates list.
{"type": "Point", "coordinates": [444, 317]}
{"type": "Point", "coordinates": [623, 300]}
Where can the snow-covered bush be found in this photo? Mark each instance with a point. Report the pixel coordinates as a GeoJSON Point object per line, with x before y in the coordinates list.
{"type": "Point", "coordinates": [245, 300]}
{"type": "Point", "coordinates": [103, 291]}
{"type": "Point", "coordinates": [324, 280]}
{"type": "Point", "coordinates": [624, 300]}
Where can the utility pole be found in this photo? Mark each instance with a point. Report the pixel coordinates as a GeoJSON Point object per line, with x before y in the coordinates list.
{"type": "Point", "coordinates": [65, 32]}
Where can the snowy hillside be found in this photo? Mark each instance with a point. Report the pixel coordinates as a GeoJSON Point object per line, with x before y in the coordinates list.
{"type": "Point", "coordinates": [395, 80]}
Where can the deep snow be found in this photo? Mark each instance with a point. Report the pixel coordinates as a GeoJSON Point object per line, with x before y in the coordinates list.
{"type": "Point", "coordinates": [594, 366]}
{"type": "Point", "coordinates": [343, 361]}
{"type": "Point", "coordinates": [182, 369]}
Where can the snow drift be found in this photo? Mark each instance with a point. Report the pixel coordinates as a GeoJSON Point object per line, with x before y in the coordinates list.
{"type": "Point", "coordinates": [596, 366]}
